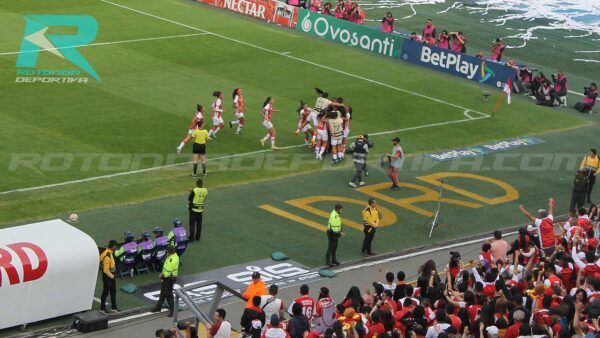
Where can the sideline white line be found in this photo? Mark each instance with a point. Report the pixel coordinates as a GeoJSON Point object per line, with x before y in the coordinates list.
{"type": "Point", "coordinates": [292, 57]}
{"type": "Point", "coordinates": [418, 253]}
{"type": "Point", "coordinates": [575, 93]}
{"type": "Point", "coordinates": [125, 173]}
{"type": "Point", "coordinates": [108, 43]}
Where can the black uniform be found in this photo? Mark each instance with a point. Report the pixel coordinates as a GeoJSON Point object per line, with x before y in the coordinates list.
{"type": "Point", "coordinates": [580, 190]}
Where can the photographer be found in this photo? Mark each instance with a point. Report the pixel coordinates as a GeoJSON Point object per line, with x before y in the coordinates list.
{"type": "Point", "coordinates": [559, 81]}
{"type": "Point", "coordinates": [545, 94]}
{"type": "Point", "coordinates": [359, 150]}
{"type": "Point", "coordinates": [497, 49]}
{"type": "Point", "coordinates": [387, 23]}
{"type": "Point", "coordinates": [590, 95]}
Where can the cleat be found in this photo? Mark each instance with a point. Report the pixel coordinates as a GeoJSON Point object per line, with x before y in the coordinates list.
{"type": "Point", "coordinates": [194, 175]}
{"type": "Point", "coordinates": [238, 133]}
{"type": "Point", "coordinates": [204, 174]}
{"type": "Point", "coordinates": [178, 150]}
{"type": "Point", "coordinates": [366, 173]}
{"type": "Point", "coordinates": [297, 132]}
{"type": "Point", "coordinates": [352, 184]}
{"type": "Point", "coordinates": [209, 138]}
{"type": "Point", "coordinates": [275, 148]}
{"type": "Point", "coordinates": [262, 142]}
{"type": "Point", "coordinates": [230, 124]}
{"type": "Point", "coordinates": [361, 183]}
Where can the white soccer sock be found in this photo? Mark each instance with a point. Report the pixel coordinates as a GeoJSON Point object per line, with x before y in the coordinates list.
{"type": "Point", "coordinates": [272, 141]}
{"type": "Point", "coordinates": [321, 151]}
{"type": "Point", "coordinates": [235, 122]}
{"type": "Point", "coordinates": [341, 155]}
{"type": "Point", "coordinates": [239, 128]}
{"type": "Point", "coordinates": [266, 137]}
{"type": "Point", "coordinates": [181, 145]}
{"type": "Point", "coordinates": [335, 156]}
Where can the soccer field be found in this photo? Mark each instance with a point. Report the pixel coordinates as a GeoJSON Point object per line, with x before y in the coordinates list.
{"type": "Point", "coordinates": [157, 60]}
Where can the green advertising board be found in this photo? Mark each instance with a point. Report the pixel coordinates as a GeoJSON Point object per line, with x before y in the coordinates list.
{"type": "Point", "coordinates": [349, 33]}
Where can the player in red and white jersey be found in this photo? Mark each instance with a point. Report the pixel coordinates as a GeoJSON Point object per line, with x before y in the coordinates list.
{"type": "Point", "coordinates": [308, 303]}
{"type": "Point", "coordinates": [266, 114]}
{"type": "Point", "coordinates": [238, 108]}
{"type": "Point", "coordinates": [322, 139]}
{"type": "Point", "coordinates": [306, 116]}
{"type": "Point", "coordinates": [197, 120]}
{"type": "Point", "coordinates": [346, 117]}
{"type": "Point", "coordinates": [324, 312]}
{"type": "Point", "coordinates": [217, 111]}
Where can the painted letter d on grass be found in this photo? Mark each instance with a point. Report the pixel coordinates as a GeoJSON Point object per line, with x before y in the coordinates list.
{"type": "Point", "coordinates": [36, 38]}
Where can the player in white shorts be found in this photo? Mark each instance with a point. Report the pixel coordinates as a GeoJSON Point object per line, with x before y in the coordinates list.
{"type": "Point", "coordinates": [335, 123]}
{"type": "Point", "coordinates": [306, 116]}
{"type": "Point", "coordinates": [322, 138]}
{"type": "Point", "coordinates": [217, 111]}
{"type": "Point", "coordinates": [197, 120]}
{"type": "Point", "coordinates": [266, 113]}
{"type": "Point", "coordinates": [238, 108]}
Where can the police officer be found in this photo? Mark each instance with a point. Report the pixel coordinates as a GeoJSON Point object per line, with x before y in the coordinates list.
{"type": "Point", "coordinates": [580, 187]}
{"type": "Point", "coordinates": [168, 277]}
{"type": "Point", "coordinates": [370, 218]}
{"type": "Point", "coordinates": [196, 207]}
{"type": "Point", "coordinates": [109, 284]}
{"type": "Point", "coordinates": [359, 150]}
{"type": "Point", "coordinates": [589, 166]}
{"type": "Point", "coordinates": [334, 232]}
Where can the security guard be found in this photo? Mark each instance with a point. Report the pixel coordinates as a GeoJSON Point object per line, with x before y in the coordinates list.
{"type": "Point", "coordinates": [196, 207]}
{"type": "Point", "coordinates": [168, 277]}
{"type": "Point", "coordinates": [334, 232]}
{"type": "Point", "coordinates": [109, 284]}
{"type": "Point", "coordinates": [589, 166]}
{"type": "Point", "coordinates": [370, 218]}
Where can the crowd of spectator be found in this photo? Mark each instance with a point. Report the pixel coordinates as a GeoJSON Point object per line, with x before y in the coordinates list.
{"type": "Point", "coordinates": [345, 10]}
{"type": "Point", "coordinates": [546, 283]}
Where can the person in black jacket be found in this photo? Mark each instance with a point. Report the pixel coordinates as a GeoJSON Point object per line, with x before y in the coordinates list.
{"type": "Point", "coordinates": [253, 319]}
{"type": "Point", "coordinates": [298, 324]}
{"type": "Point", "coordinates": [580, 187]}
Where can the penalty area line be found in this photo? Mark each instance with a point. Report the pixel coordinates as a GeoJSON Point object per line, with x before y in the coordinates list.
{"type": "Point", "coordinates": [172, 165]}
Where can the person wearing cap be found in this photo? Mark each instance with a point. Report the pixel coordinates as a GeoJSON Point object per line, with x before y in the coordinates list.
{"type": "Point", "coordinates": [396, 159]}
{"type": "Point", "coordinates": [168, 277]}
{"type": "Point", "coordinates": [109, 284]}
{"type": "Point", "coordinates": [256, 288]}
{"type": "Point", "coordinates": [589, 165]}
{"type": "Point", "coordinates": [334, 232]}
{"type": "Point", "coordinates": [545, 225]}
{"type": "Point", "coordinates": [275, 330]}
{"type": "Point", "coordinates": [370, 217]}
{"type": "Point", "coordinates": [359, 150]}
{"type": "Point", "coordinates": [492, 331]}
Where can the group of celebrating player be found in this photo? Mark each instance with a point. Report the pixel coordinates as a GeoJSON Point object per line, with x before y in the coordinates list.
{"type": "Point", "coordinates": [325, 127]}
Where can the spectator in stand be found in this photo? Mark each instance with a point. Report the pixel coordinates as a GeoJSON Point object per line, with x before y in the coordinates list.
{"type": "Point", "coordinates": [499, 247]}
{"type": "Point", "coordinates": [545, 224]}
{"type": "Point", "coordinates": [353, 299]}
{"type": "Point", "coordinates": [253, 319]}
{"type": "Point", "coordinates": [221, 328]}
{"type": "Point", "coordinates": [497, 49]}
{"type": "Point", "coordinates": [429, 31]}
{"type": "Point", "coordinates": [324, 312]}
{"type": "Point", "coordinates": [271, 305]}
{"type": "Point", "coordinates": [414, 37]}
{"type": "Point", "coordinates": [306, 302]}
{"type": "Point", "coordinates": [275, 329]}
{"type": "Point", "coordinates": [298, 324]}
{"type": "Point", "coordinates": [326, 9]}
{"type": "Point", "coordinates": [387, 23]}
{"type": "Point", "coordinates": [480, 55]}
{"type": "Point", "coordinates": [545, 94]}
{"type": "Point", "coordinates": [459, 42]}
{"type": "Point", "coordinates": [428, 278]}
{"type": "Point", "coordinates": [590, 95]}
{"type": "Point", "coordinates": [559, 81]}
{"type": "Point", "coordinates": [256, 288]}
{"type": "Point", "coordinates": [400, 285]}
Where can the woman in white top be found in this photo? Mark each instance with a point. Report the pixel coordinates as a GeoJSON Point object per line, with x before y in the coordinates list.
{"type": "Point", "coordinates": [266, 113]}
{"type": "Point", "coordinates": [217, 118]}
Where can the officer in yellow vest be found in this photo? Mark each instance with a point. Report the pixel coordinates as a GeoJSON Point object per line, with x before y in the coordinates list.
{"type": "Point", "coordinates": [334, 232]}
{"type": "Point", "coordinates": [370, 218]}
{"type": "Point", "coordinates": [589, 166]}
{"type": "Point", "coordinates": [196, 207]}
{"type": "Point", "coordinates": [168, 277]}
